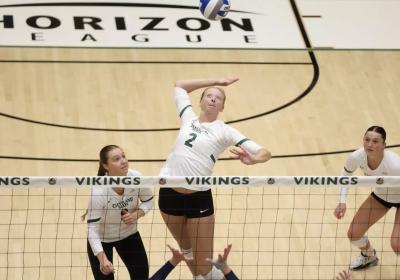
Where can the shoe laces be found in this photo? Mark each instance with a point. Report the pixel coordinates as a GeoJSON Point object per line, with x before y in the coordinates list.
{"type": "Point", "coordinates": [361, 259]}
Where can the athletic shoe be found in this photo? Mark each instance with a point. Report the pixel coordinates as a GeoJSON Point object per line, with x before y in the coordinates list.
{"type": "Point", "coordinates": [364, 261]}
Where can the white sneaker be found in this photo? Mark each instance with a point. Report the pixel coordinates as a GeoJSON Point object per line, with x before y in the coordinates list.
{"type": "Point", "coordinates": [364, 261]}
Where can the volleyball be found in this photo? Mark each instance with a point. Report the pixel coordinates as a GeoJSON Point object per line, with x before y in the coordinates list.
{"type": "Point", "coordinates": [215, 9]}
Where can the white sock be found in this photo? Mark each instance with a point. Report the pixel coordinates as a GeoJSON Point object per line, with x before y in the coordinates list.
{"type": "Point", "coordinates": [214, 274]}
{"type": "Point", "coordinates": [188, 253]}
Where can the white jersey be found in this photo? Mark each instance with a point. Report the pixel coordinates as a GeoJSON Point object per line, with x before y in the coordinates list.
{"type": "Point", "coordinates": [199, 145]}
{"type": "Point", "coordinates": [390, 166]}
{"type": "Point", "coordinates": [104, 213]}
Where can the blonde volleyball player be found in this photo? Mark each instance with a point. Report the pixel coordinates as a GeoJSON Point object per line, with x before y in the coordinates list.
{"type": "Point", "coordinates": [112, 220]}
{"type": "Point", "coordinates": [374, 160]}
{"type": "Point", "coordinates": [189, 214]}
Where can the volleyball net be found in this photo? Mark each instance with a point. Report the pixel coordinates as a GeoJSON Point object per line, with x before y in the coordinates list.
{"type": "Point", "coordinates": [281, 227]}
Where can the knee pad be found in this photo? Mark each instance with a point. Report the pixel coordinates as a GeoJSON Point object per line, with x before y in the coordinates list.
{"type": "Point", "coordinates": [362, 242]}
{"type": "Point", "coordinates": [214, 274]}
{"type": "Point", "coordinates": [188, 254]}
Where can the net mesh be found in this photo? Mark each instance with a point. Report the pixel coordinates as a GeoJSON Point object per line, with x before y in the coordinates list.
{"type": "Point", "coordinates": [277, 233]}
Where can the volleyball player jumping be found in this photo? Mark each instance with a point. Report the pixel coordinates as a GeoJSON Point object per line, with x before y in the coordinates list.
{"type": "Point", "coordinates": [189, 213]}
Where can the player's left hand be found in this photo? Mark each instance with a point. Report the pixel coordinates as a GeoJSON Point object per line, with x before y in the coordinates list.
{"type": "Point", "coordinates": [222, 259]}
{"type": "Point", "coordinates": [130, 218]}
{"type": "Point", "coordinates": [242, 155]}
{"type": "Point", "coordinates": [226, 81]}
{"type": "Point", "coordinates": [177, 256]}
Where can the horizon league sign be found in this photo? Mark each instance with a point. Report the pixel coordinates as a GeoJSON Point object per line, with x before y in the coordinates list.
{"type": "Point", "coordinates": [76, 24]}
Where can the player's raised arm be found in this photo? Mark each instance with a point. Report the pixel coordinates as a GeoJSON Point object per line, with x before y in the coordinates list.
{"type": "Point", "coordinates": [191, 85]}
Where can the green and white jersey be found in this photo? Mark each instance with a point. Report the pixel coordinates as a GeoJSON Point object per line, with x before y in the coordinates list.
{"type": "Point", "coordinates": [104, 213]}
{"type": "Point", "coordinates": [199, 145]}
{"type": "Point", "coordinates": [389, 166]}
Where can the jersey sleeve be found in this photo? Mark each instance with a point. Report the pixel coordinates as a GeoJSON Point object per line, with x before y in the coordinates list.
{"type": "Point", "coordinates": [231, 276]}
{"type": "Point", "coordinates": [394, 163]}
{"type": "Point", "coordinates": [396, 171]}
{"type": "Point", "coordinates": [184, 105]}
{"type": "Point", "coordinates": [163, 272]}
{"type": "Point", "coordinates": [234, 137]}
{"type": "Point", "coordinates": [145, 194]}
{"type": "Point", "coordinates": [146, 198]}
{"type": "Point", "coordinates": [95, 215]}
{"type": "Point", "coordinates": [352, 163]}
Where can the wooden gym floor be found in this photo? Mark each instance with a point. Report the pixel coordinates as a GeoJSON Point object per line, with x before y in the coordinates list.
{"type": "Point", "coordinates": [58, 106]}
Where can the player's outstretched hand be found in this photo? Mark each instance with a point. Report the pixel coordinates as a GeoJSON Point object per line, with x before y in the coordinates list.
{"type": "Point", "coordinates": [226, 81]}
{"type": "Point", "coordinates": [221, 262]}
{"type": "Point", "coordinates": [242, 155]}
{"type": "Point", "coordinates": [177, 256]}
{"type": "Point", "coordinates": [344, 275]}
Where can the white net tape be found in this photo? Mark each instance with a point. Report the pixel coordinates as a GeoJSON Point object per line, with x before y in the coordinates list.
{"type": "Point", "coordinates": [199, 181]}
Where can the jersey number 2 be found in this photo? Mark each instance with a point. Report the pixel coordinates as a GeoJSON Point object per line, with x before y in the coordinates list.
{"type": "Point", "coordinates": [188, 142]}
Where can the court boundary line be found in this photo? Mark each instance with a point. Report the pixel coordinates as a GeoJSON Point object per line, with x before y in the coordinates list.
{"type": "Point", "coordinates": [154, 62]}
{"type": "Point", "coordinates": [163, 160]}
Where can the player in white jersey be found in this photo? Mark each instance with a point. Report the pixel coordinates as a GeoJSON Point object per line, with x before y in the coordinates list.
{"type": "Point", "coordinates": [374, 160]}
{"type": "Point", "coordinates": [112, 220]}
{"type": "Point", "coordinates": [189, 214]}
